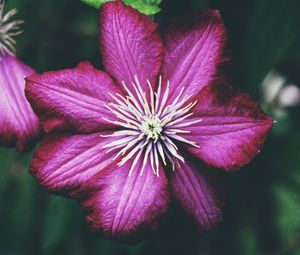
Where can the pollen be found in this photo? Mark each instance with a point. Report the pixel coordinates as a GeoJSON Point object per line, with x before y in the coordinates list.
{"type": "Point", "coordinates": [151, 127]}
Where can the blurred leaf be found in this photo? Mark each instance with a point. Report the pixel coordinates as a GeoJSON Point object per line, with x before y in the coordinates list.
{"type": "Point", "coordinates": [148, 7]}
{"type": "Point", "coordinates": [273, 28]}
{"type": "Point", "coordinates": [59, 223]}
{"type": "Point", "coordinates": [17, 191]}
{"type": "Point", "coordinates": [288, 213]}
{"type": "Point", "coordinates": [24, 205]}
{"type": "Point", "coordinates": [288, 218]}
{"type": "Point", "coordinates": [248, 239]}
{"type": "Point", "coordinates": [54, 223]}
{"type": "Point", "coordinates": [6, 157]}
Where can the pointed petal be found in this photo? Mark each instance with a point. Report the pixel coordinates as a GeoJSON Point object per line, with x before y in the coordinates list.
{"type": "Point", "coordinates": [19, 126]}
{"type": "Point", "coordinates": [232, 130]}
{"type": "Point", "coordinates": [193, 48]}
{"type": "Point", "coordinates": [130, 44]}
{"type": "Point", "coordinates": [199, 193]}
{"type": "Point", "coordinates": [64, 162]}
{"type": "Point", "coordinates": [71, 99]}
{"type": "Point", "coordinates": [126, 207]}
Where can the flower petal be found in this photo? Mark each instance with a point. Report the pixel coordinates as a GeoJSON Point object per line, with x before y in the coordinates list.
{"type": "Point", "coordinates": [199, 193]}
{"type": "Point", "coordinates": [193, 48]}
{"type": "Point", "coordinates": [63, 162]}
{"type": "Point", "coordinates": [130, 44]}
{"type": "Point", "coordinates": [19, 126]}
{"type": "Point", "coordinates": [71, 99]}
{"type": "Point", "coordinates": [232, 130]}
{"type": "Point", "coordinates": [126, 207]}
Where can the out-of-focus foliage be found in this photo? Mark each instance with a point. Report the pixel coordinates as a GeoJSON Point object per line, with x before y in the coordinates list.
{"type": "Point", "coordinates": [148, 7]}
{"type": "Point", "coordinates": [273, 28]}
{"type": "Point", "coordinates": [262, 213]}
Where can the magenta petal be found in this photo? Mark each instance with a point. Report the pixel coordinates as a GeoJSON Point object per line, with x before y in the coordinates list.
{"type": "Point", "coordinates": [130, 44]}
{"type": "Point", "coordinates": [198, 192]}
{"type": "Point", "coordinates": [63, 162]}
{"type": "Point", "coordinates": [72, 99]}
{"type": "Point", "coordinates": [19, 126]}
{"type": "Point", "coordinates": [126, 207]}
{"type": "Point", "coordinates": [232, 130]}
{"type": "Point", "coordinates": [193, 48]}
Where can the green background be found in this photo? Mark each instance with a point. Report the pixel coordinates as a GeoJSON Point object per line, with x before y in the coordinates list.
{"type": "Point", "coordinates": [262, 213]}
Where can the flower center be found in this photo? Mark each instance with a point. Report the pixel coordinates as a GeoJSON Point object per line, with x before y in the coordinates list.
{"type": "Point", "coordinates": [8, 29]}
{"type": "Point", "coordinates": [151, 128]}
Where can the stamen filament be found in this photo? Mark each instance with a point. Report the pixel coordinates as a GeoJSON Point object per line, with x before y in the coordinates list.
{"type": "Point", "coordinates": [8, 29]}
{"type": "Point", "coordinates": [150, 126]}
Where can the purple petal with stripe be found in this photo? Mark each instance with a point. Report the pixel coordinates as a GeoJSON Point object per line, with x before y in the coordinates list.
{"type": "Point", "coordinates": [232, 129]}
{"type": "Point", "coordinates": [193, 50]}
{"type": "Point", "coordinates": [198, 192]}
{"type": "Point", "coordinates": [72, 99]}
{"type": "Point", "coordinates": [130, 44]}
{"type": "Point", "coordinates": [19, 126]}
{"type": "Point", "coordinates": [64, 162]}
{"type": "Point", "coordinates": [126, 207]}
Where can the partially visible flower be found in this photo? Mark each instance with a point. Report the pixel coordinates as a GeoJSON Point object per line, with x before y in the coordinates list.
{"type": "Point", "coordinates": [278, 92]}
{"type": "Point", "coordinates": [271, 86]}
{"type": "Point", "coordinates": [151, 130]}
{"type": "Point", "coordinates": [19, 126]}
{"type": "Point", "coordinates": [289, 96]}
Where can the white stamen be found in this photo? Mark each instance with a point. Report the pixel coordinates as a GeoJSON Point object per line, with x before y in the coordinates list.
{"type": "Point", "coordinates": [174, 131]}
{"type": "Point", "coordinates": [122, 117]}
{"type": "Point", "coordinates": [152, 158]}
{"type": "Point", "coordinates": [148, 149]}
{"type": "Point", "coordinates": [127, 147]}
{"type": "Point", "coordinates": [156, 160]}
{"type": "Point", "coordinates": [132, 98]}
{"type": "Point", "coordinates": [126, 125]}
{"type": "Point", "coordinates": [123, 111]}
{"type": "Point", "coordinates": [135, 162]}
{"type": "Point", "coordinates": [152, 98]}
{"type": "Point", "coordinates": [174, 152]}
{"type": "Point", "coordinates": [8, 29]}
{"type": "Point", "coordinates": [174, 102]}
{"type": "Point", "coordinates": [157, 94]}
{"type": "Point", "coordinates": [130, 154]}
{"type": "Point", "coordinates": [178, 120]}
{"type": "Point", "coordinates": [151, 128]}
{"type": "Point", "coordinates": [161, 153]}
{"type": "Point", "coordinates": [180, 138]}
{"type": "Point", "coordinates": [164, 99]}
{"type": "Point", "coordinates": [185, 124]}
{"type": "Point", "coordinates": [117, 142]}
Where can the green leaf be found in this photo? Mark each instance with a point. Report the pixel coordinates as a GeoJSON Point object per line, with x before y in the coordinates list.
{"type": "Point", "coordinates": [59, 224]}
{"type": "Point", "coordinates": [95, 3]}
{"type": "Point", "coordinates": [148, 7]}
{"type": "Point", "coordinates": [144, 6]}
{"type": "Point", "coordinates": [54, 223]}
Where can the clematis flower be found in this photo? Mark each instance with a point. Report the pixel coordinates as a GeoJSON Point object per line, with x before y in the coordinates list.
{"type": "Point", "coordinates": [19, 126]}
{"type": "Point", "coordinates": [152, 128]}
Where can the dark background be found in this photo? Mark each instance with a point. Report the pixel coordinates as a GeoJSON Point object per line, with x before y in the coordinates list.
{"type": "Point", "coordinates": [262, 213]}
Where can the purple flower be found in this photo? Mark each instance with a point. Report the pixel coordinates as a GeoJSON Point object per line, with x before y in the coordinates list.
{"type": "Point", "coordinates": [125, 142]}
{"type": "Point", "coordinates": [19, 126]}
